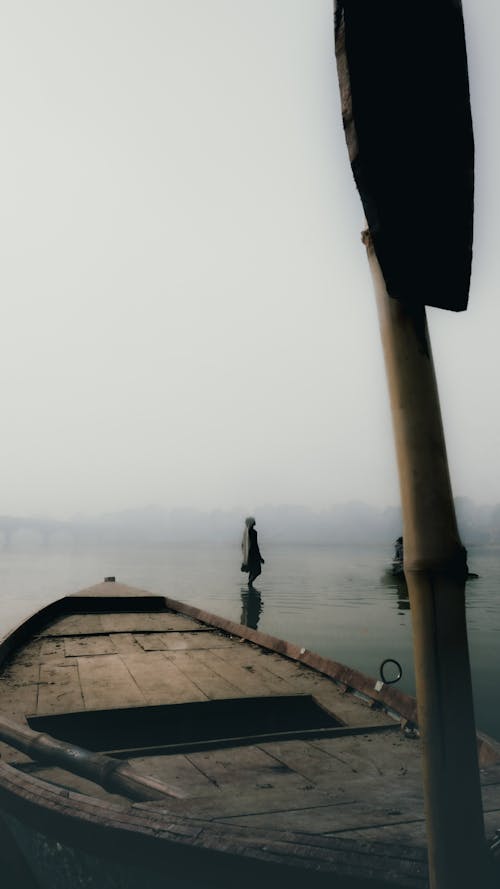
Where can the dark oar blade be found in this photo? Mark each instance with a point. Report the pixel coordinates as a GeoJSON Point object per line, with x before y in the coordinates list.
{"type": "Point", "coordinates": [405, 101]}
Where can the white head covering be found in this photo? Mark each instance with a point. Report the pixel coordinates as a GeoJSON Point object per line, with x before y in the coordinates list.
{"type": "Point", "coordinates": [245, 543]}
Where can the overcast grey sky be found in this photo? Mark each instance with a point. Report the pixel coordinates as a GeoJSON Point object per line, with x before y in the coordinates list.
{"type": "Point", "coordinates": [187, 314]}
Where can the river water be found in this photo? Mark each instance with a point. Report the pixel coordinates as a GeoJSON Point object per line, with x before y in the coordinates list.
{"type": "Point", "coordinates": [336, 600]}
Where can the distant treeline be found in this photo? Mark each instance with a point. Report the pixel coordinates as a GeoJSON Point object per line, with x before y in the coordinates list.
{"type": "Point", "coordinates": [344, 523]}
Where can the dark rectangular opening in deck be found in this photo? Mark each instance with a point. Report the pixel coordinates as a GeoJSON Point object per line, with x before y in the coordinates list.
{"type": "Point", "coordinates": [191, 725]}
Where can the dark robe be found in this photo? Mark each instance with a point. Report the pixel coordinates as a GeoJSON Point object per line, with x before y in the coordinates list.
{"type": "Point", "coordinates": [254, 556]}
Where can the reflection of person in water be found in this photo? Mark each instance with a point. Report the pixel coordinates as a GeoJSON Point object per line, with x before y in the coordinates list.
{"type": "Point", "coordinates": [251, 607]}
{"type": "Point", "coordinates": [252, 559]}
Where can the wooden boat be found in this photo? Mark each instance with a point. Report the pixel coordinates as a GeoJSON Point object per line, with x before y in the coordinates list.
{"type": "Point", "coordinates": [147, 743]}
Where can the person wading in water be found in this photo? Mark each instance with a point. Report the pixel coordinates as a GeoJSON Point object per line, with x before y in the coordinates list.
{"type": "Point", "coordinates": [252, 559]}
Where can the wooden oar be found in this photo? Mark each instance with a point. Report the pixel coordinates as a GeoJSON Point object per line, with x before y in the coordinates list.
{"type": "Point", "coordinates": [406, 112]}
{"type": "Point", "coordinates": [111, 774]}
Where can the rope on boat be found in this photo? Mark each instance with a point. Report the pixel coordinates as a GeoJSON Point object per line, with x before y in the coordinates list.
{"type": "Point", "coordinates": [111, 774]}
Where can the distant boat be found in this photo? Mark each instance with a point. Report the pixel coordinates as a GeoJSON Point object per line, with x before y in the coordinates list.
{"type": "Point", "coordinates": [396, 569]}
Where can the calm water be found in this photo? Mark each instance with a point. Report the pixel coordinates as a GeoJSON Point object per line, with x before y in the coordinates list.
{"type": "Point", "coordinates": [334, 600]}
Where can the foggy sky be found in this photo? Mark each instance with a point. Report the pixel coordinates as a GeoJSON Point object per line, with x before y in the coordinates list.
{"type": "Point", "coordinates": [187, 313]}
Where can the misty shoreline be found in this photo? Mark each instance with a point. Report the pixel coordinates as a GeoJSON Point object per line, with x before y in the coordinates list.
{"type": "Point", "coordinates": [346, 523]}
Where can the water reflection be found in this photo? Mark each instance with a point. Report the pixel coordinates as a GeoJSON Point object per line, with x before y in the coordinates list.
{"type": "Point", "coordinates": [397, 583]}
{"type": "Point", "coordinates": [251, 607]}
{"type": "Point", "coordinates": [401, 590]}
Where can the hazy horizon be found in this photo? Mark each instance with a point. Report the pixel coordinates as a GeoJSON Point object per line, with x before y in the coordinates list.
{"type": "Point", "coordinates": [252, 508]}
{"type": "Point", "coordinates": [349, 522]}
{"type": "Point", "coordinates": [188, 315]}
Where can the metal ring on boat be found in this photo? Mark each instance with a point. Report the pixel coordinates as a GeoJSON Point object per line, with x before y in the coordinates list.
{"type": "Point", "coordinates": [390, 660]}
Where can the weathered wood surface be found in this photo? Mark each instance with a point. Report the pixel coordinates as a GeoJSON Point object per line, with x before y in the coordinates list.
{"type": "Point", "coordinates": [177, 641]}
{"type": "Point", "coordinates": [330, 786]}
{"type": "Point", "coordinates": [309, 854]}
{"type": "Point", "coordinates": [120, 623]}
{"type": "Point", "coordinates": [321, 791]}
{"type": "Point", "coordinates": [105, 681]}
{"type": "Point", "coordinates": [59, 689]}
{"type": "Point", "coordinates": [160, 680]}
{"type": "Point", "coordinates": [99, 661]}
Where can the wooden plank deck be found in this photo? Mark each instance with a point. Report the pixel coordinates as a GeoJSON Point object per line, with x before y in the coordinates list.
{"type": "Point", "coordinates": [160, 680]}
{"type": "Point", "coordinates": [59, 689]}
{"type": "Point", "coordinates": [94, 661]}
{"type": "Point", "coordinates": [127, 622]}
{"type": "Point", "coordinates": [105, 681]}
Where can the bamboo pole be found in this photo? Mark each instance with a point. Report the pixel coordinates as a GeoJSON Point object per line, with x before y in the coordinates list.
{"type": "Point", "coordinates": [435, 570]}
{"type": "Point", "coordinates": [112, 774]}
